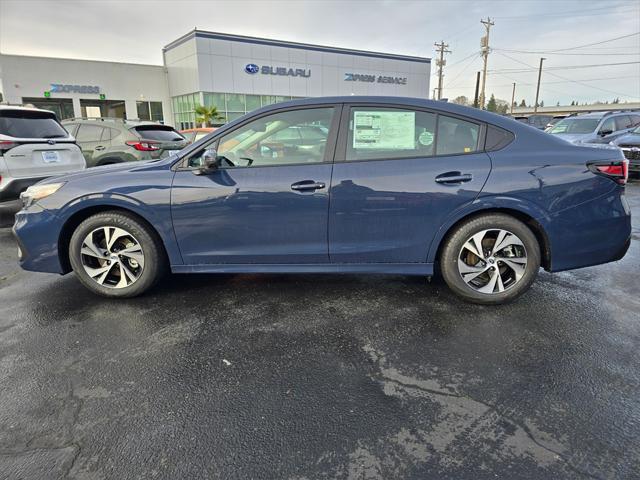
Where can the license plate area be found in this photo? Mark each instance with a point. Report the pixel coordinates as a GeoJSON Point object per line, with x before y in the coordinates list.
{"type": "Point", "coordinates": [50, 156]}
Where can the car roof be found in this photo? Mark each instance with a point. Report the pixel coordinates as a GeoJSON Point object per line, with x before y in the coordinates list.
{"type": "Point", "coordinates": [26, 109]}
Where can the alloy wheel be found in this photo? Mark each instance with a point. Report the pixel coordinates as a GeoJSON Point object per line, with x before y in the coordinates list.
{"type": "Point", "coordinates": [492, 261]}
{"type": "Point", "coordinates": [112, 257]}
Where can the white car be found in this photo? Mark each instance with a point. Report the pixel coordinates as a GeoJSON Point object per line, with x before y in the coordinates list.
{"type": "Point", "coordinates": [33, 146]}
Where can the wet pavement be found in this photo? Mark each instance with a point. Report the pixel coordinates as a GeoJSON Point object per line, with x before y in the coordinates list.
{"type": "Point", "coordinates": [305, 377]}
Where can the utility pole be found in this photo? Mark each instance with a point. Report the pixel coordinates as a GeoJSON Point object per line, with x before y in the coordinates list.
{"type": "Point", "coordinates": [475, 98]}
{"type": "Point", "coordinates": [513, 96]}
{"type": "Point", "coordinates": [535, 105]}
{"type": "Point", "coordinates": [484, 44]}
{"type": "Point", "coordinates": [441, 48]}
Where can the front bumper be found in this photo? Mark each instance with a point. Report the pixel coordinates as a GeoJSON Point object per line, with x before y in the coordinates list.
{"type": "Point", "coordinates": [37, 232]}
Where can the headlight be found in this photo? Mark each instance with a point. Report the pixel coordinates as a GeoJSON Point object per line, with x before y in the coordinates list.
{"type": "Point", "coordinates": [38, 192]}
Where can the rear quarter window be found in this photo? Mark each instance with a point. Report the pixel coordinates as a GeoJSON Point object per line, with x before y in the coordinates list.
{"type": "Point", "coordinates": [30, 124]}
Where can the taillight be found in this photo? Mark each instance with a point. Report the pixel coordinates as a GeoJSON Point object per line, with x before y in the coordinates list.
{"type": "Point", "coordinates": [616, 170]}
{"type": "Point", "coordinates": [6, 145]}
{"type": "Point", "coordinates": [144, 146]}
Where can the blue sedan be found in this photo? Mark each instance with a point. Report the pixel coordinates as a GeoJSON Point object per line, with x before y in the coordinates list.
{"type": "Point", "coordinates": [340, 185]}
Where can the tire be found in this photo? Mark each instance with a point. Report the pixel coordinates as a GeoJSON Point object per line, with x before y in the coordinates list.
{"type": "Point", "coordinates": [498, 277]}
{"type": "Point", "coordinates": [133, 263]}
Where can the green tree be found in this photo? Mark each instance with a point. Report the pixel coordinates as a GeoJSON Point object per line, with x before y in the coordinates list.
{"type": "Point", "coordinates": [207, 115]}
{"type": "Point", "coordinates": [491, 104]}
{"type": "Point", "coordinates": [523, 103]}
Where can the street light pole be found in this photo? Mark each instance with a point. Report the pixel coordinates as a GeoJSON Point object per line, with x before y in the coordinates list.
{"type": "Point", "coordinates": [513, 96]}
{"type": "Point", "coordinates": [535, 105]}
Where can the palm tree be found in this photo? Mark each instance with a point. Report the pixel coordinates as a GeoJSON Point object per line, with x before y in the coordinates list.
{"type": "Point", "coordinates": [206, 115]}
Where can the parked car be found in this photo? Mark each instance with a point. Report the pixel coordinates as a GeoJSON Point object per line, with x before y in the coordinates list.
{"type": "Point", "coordinates": [33, 146]}
{"type": "Point", "coordinates": [538, 121]}
{"type": "Point", "coordinates": [554, 120]}
{"type": "Point", "coordinates": [114, 140]}
{"type": "Point", "coordinates": [595, 127]}
{"type": "Point", "coordinates": [194, 134]}
{"type": "Point", "coordinates": [396, 186]}
{"type": "Point", "coordinates": [630, 146]}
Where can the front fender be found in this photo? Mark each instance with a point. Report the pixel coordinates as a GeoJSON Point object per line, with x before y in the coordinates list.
{"type": "Point", "coordinates": [487, 203]}
{"type": "Point", "coordinates": [157, 215]}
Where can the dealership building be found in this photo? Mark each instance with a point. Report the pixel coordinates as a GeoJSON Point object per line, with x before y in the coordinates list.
{"type": "Point", "coordinates": [234, 73]}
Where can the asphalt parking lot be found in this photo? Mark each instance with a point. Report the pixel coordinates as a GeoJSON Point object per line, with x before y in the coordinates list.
{"type": "Point", "coordinates": [305, 377]}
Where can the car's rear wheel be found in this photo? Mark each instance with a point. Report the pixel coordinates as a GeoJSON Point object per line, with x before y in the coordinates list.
{"type": "Point", "coordinates": [490, 259]}
{"type": "Point", "coordinates": [114, 254]}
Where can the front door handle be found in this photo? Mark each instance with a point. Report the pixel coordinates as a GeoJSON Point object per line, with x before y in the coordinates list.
{"type": "Point", "coordinates": [306, 185]}
{"type": "Point", "coordinates": [99, 147]}
{"type": "Point", "coordinates": [454, 177]}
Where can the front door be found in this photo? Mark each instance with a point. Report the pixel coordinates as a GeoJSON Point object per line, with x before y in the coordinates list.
{"type": "Point", "coordinates": [268, 200]}
{"type": "Point", "coordinates": [398, 174]}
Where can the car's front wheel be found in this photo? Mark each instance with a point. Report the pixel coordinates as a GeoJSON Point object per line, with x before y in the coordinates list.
{"type": "Point", "coordinates": [490, 259]}
{"type": "Point", "coordinates": [114, 254]}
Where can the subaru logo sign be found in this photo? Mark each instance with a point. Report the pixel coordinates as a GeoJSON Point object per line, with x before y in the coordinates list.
{"type": "Point", "coordinates": [51, 142]}
{"type": "Point", "coordinates": [252, 68]}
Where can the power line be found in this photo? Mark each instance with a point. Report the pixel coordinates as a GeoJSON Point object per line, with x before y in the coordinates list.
{"type": "Point", "coordinates": [564, 53]}
{"type": "Point", "coordinates": [570, 80]}
{"type": "Point", "coordinates": [570, 67]}
{"type": "Point", "coordinates": [475, 57]}
{"type": "Point", "coordinates": [579, 46]}
{"type": "Point", "coordinates": [570, 12]}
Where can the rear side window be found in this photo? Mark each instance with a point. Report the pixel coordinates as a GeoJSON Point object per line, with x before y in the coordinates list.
{"type": "Point", "coordinates": [635, 120]}
{"type": "Point", "coordinates": [89, 133]}
{"type": "Point", "coordinates": [497, 138]}
{"type": "Point", "coordinates": [158, 133]}
{"type": "Point", "coordinates": [456, 136]}
{"type": "Point", "coordinates": [386, 133]}
{"type": "Point", "coordinates": [378, 133]}
{"type": "Point", "coordinates": [30, 124]}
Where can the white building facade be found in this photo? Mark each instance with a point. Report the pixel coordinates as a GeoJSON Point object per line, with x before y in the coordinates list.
{"type": "Point", "coordinates": [236, 74]}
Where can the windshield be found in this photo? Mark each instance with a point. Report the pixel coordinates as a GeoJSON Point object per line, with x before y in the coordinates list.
{"type": "Point", "coordinates": [575, 125]}
{"type": "Point", "coordinates": [158, 133]}
{"type": "Point", "coordinates": [30, 124]}
{"type": "Point", "coordinates": [636, 130]}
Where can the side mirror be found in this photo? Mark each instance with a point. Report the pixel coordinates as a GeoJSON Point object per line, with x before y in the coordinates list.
{"type": "Point", "coordinates": [604, 133]}
{"type": "Point", "coordinates": [210, 162]}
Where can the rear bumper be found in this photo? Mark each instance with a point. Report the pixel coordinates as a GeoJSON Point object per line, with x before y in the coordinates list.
{"type": "Point", "coordinates": [37, 232]}
{"type": "Point", "coordinates": [593, 233]}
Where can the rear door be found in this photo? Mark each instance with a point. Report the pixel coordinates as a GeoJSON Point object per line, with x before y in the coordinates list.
{"type": "Point", "coordinates": [89, 137]}
{"type": "Point", "coordinates": [399, 173]}
{"type": "Point", "coordinates": [42, 146]}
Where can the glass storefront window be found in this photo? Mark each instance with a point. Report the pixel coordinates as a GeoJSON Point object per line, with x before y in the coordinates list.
{"type": "Point", "coordinates": [215, 100]}
{"type": "Point", "coordinates": [156, 111]}
{"type": "Point", "coordinates": [236, 102]}
{"type": "Point", "coordinates": [143, 110]}
{"type": "Point", "coordinates": [253, 102]}
{"type": "Point", "coordinates": [233, 115]}
{"type": "Point", "coordinates": [267, 99]}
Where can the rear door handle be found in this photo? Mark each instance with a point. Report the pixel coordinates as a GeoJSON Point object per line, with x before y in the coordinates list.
{"type": "Point", "coordinates": [99, 147]}
{"type": "Point", "coordinates": [305, 185]}
{"type": "Point", "coordinates": [454, 177]}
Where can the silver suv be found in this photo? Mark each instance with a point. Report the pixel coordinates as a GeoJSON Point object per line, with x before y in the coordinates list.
{"type": "Point", "coordinates": [33, 146]}
{"type": "Point", "coordinates": [595, 127]}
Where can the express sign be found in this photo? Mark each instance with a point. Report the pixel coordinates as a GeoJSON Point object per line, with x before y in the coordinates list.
{"type": "Point", "coordinates": [60, 88]}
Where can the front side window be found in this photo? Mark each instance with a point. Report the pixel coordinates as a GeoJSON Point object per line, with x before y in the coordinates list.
{"type": "Point", "coordinates": [275, 140]}
{"type": "Point", "coordinates": [609, 125]}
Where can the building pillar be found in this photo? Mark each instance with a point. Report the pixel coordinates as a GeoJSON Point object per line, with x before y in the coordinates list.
{"type": "Point", "coordinates": [131, 109]}
{"type": "Point", "coordinates": [77, 109]}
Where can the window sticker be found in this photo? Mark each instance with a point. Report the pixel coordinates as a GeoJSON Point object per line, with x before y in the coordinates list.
{"type": "Point", "coordinates": [384, 130]}
{"type": "Point", "coordinates": [426, 138]}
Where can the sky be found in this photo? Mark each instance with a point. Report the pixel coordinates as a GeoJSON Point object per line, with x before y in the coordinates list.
{"type": "Point", "coordinates": [523, 31]}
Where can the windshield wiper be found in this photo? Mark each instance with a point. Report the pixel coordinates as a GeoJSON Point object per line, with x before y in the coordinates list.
{"type": "Point", "coordinates": [54, 136]}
